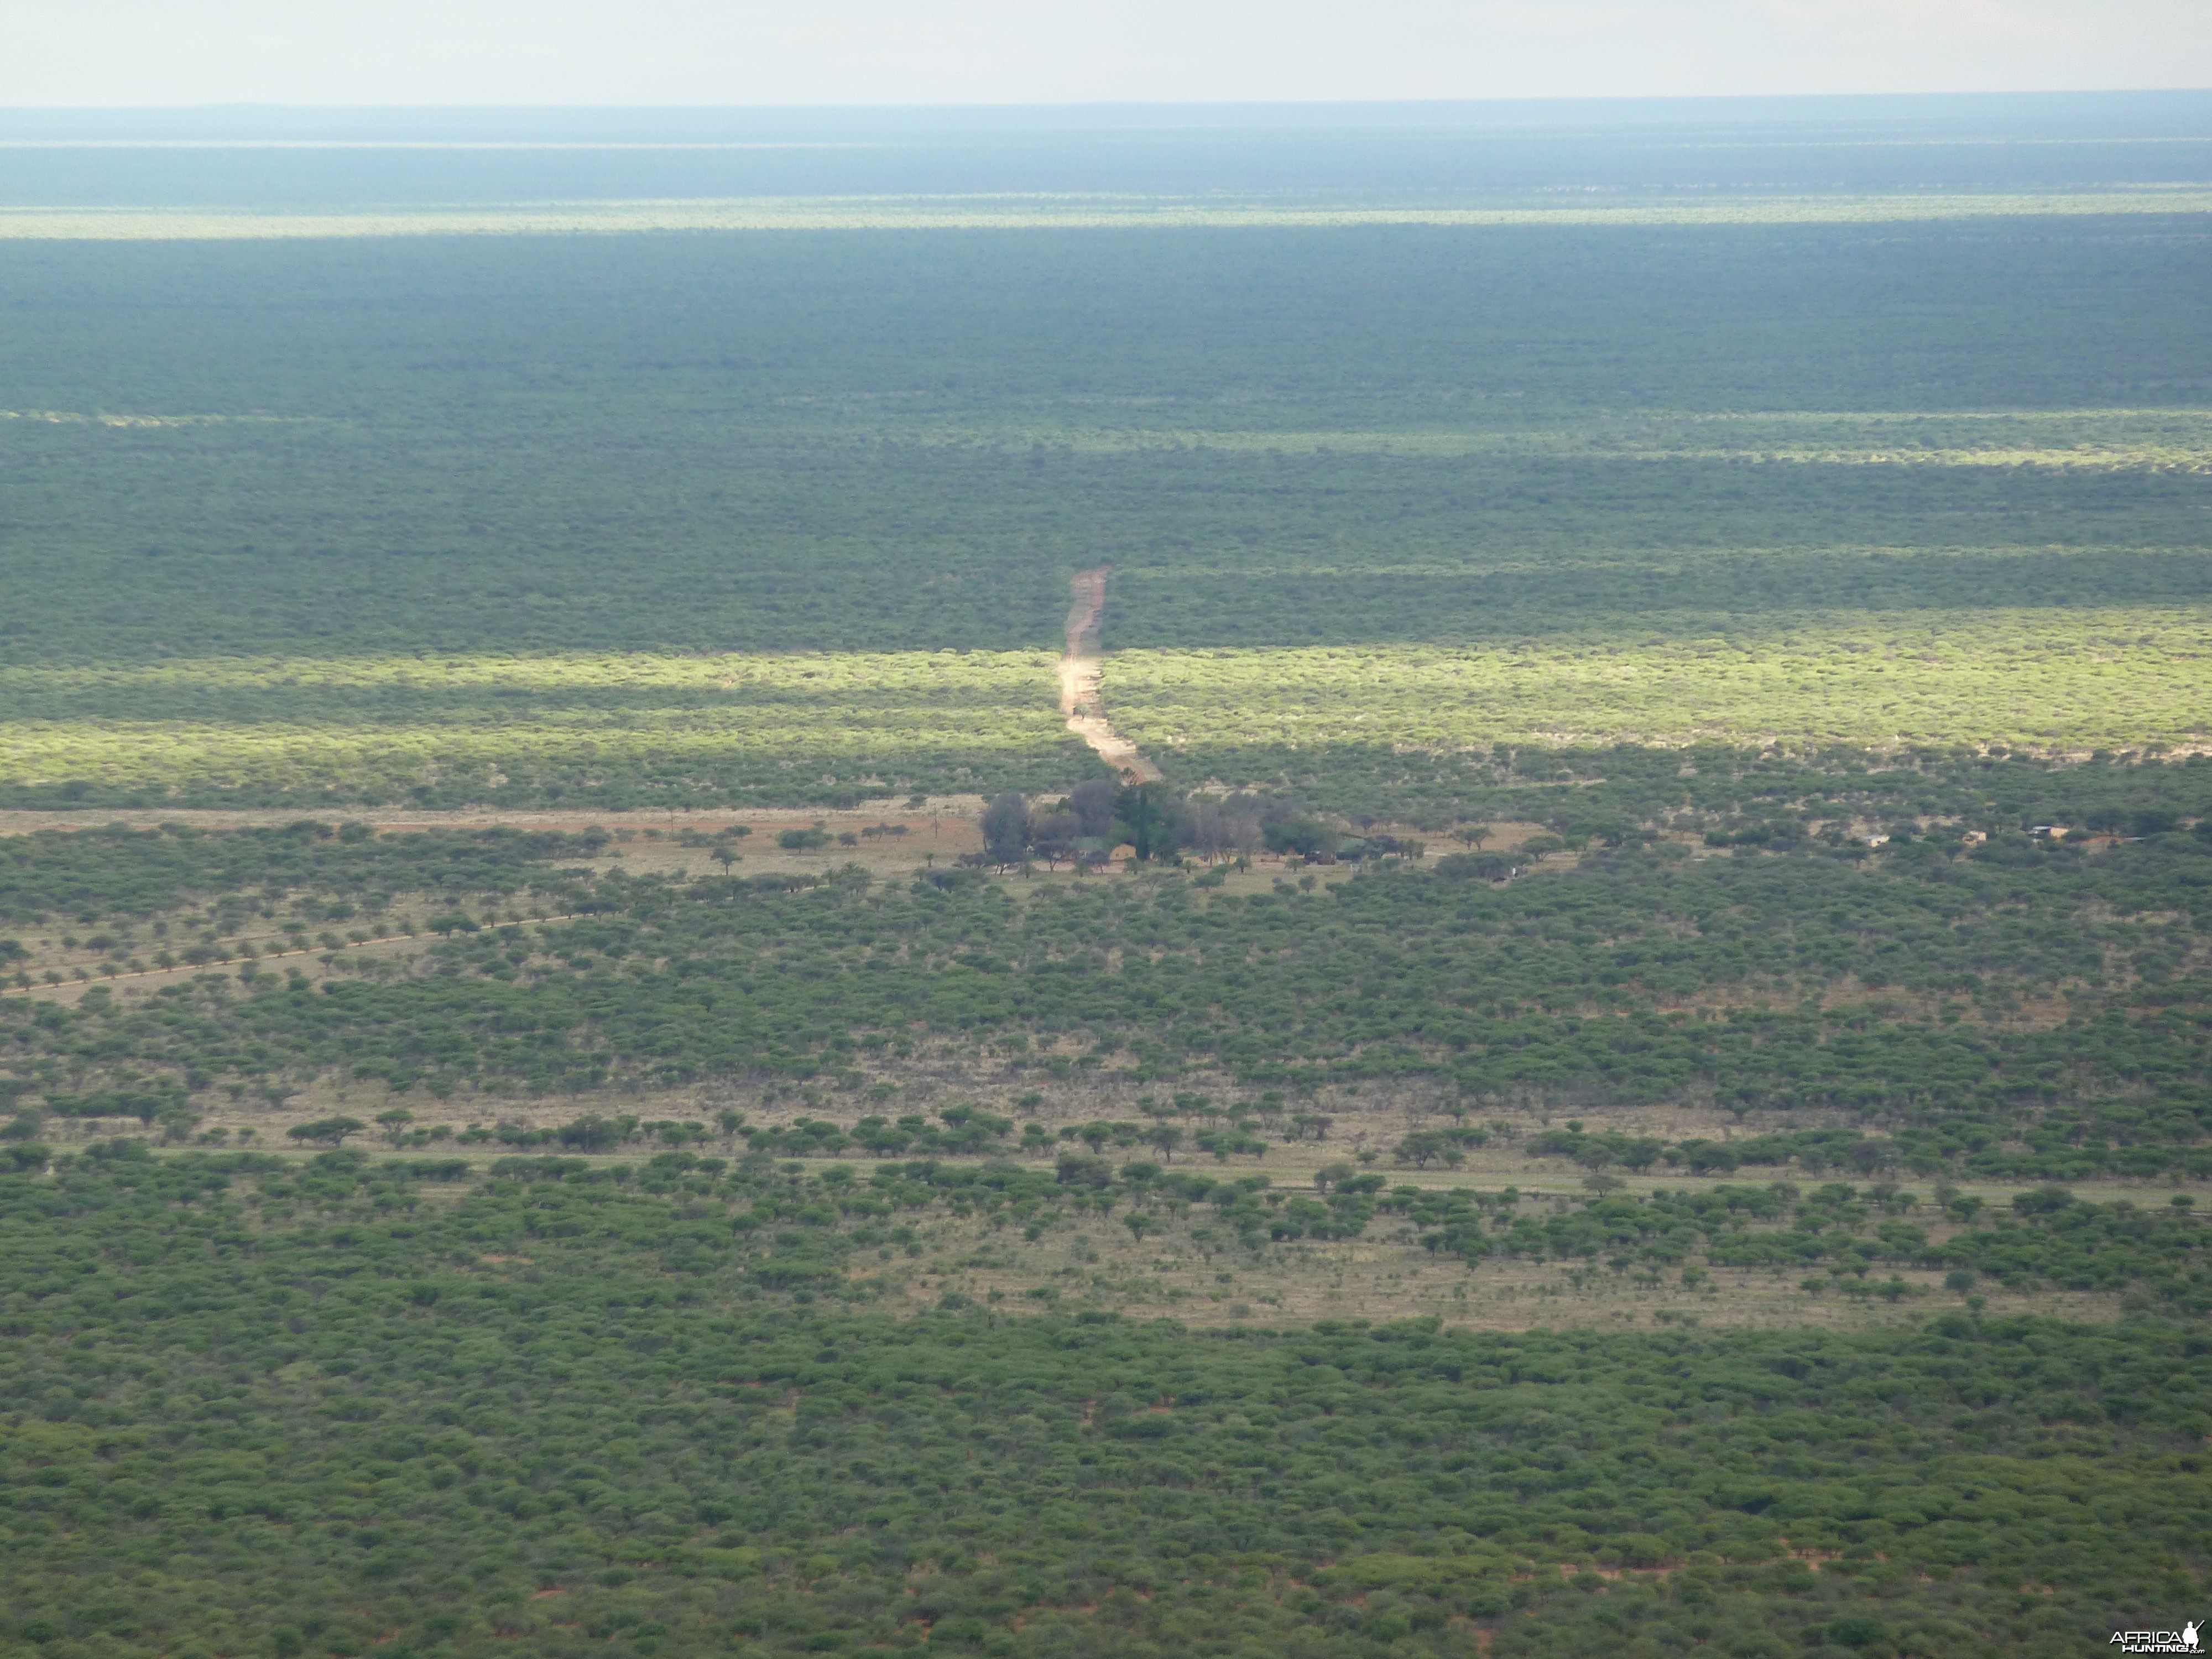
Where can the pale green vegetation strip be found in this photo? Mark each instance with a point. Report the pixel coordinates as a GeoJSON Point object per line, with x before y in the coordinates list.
{"type": "Point", "coordinates": [2166, 439]}
{"type": "Point", "coordinates": [2163, 439]}
{"type": "Point", "coordinates": [2064, 680]}
{"type": "Point", "coordinates": [844, 678]}
{"type": "Point", "coordinates": [309, 720]}
{"type": "Point", "coordinates": [1482, 562]}
{"type": "Point", "coordinates": [67, 417]}
{"type": "Point", "coordinates": [2160, 440]}
{"type": "Point", "coordinates": [2068, 680]}
{"type": "Point", "coordinates": [1064, 213]}
{"type": "Point", "coordinates": [2108, 460]}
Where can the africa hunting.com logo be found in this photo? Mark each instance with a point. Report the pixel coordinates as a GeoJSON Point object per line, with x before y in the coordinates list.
{"type": "Point", "coordinates": [2184, 1640]}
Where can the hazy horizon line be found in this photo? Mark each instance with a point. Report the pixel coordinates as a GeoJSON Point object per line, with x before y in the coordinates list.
{"type": "Point", "coordinates": [1131, 105]}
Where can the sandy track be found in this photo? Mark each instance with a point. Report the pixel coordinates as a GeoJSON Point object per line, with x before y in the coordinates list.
{"type": "Point", "coordinates": [1080, 673]}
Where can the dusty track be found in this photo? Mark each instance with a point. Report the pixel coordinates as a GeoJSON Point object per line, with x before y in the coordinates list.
{"type": "Point", "coordinates": [1080, 671]}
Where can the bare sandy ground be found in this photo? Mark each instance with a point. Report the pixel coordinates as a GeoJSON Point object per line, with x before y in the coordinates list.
{"type": "Point", "coordinates": [1081, 673]}
{"type": "Point", "coordinates": [706, 819]}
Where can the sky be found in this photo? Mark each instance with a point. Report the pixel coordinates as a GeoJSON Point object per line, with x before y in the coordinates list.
{"type": "Point", "coordinates": [64, 53]}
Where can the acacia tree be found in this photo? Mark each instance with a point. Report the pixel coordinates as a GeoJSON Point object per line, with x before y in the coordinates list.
{"type": "Point", "coordinates": [1147, 815]}
{"type": "Point", "coordinates": [592, 1133]}
{"type": "Point", "coordinates": [1092, 803]}
{"type": "Point", "coordinates": [1054, 837]}
{"type": "Point", "coordinates": [1007, 828]}
{"type": "Point", "coordinates": [333, 1130]}
{"type": "Point", "coordinates": [1419, 1147]}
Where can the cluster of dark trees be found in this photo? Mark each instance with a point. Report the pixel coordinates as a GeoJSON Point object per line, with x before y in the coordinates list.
{"type": "Point", "coordinates": [1081, 829]}
{"type": "Point", "coordinates": [1160, 824]}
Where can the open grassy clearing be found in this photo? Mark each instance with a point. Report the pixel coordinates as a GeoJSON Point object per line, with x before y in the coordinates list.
{"type": "Point", "coordinates": [1199, 1283]}
{"type": "Point", "coordinates": [1184, 1268]}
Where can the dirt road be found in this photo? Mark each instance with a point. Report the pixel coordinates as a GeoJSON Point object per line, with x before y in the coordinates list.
{"type": "Point", "coordinates": [1079, 675]}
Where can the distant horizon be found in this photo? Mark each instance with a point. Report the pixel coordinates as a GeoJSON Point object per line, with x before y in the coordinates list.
{"type": "Point", "coordinates": [959, 54]}
{"type": "Point", "coordinates": [1496, 101]}
{"type": "Point", "coordinates": [2188, 103]}
{"type": "Point", "coordinates": [1884, 153]}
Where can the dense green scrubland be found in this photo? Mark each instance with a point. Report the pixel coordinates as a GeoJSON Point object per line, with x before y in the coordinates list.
{"type": "Point", "coordinates": [2014, 1008]}
{"type": "Point", "coordinates": [254, 1408]}
{"type": "Point", "coordinates": [123, 875]}
{"type": "Point", "coordinates": [445, 1405]}
{"type": "Point", "coordinates": [1422, 489]}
